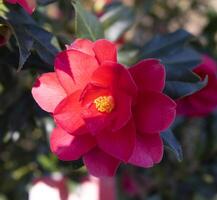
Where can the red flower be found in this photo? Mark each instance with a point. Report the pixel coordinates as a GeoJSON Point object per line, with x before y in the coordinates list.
{"type": "Point", "coordinates": [28, 5]}
{"type": "Point", "coordinates": [104, 112]}
{"type": "Point", "coordinates": [204, 101]}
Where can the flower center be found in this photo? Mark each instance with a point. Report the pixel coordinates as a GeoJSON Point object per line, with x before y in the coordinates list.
{"type": "Point", "coordinates": [104, 103]}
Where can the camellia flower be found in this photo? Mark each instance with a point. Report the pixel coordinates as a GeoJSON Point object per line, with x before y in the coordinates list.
{"type": "Point", "coordinates": [28, 5]}
{"type": "Point", "coordinates": [204, 101]}
{"type": "Point", "coordinates": [105, 113]}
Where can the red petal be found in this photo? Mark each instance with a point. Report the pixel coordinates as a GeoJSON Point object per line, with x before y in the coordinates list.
{"type": "Point", "coordinates": [207, 95]}
{"type": "Point", "coordinates": [74, 69]}
{"type": "Point", "coordinates": [68, 147]}
{"type": "Point", "coordinates": [28, 5]}
{"type": "Point", "coordinates": [122, 111]}
{"type": "Point", "coordinates": [100, 164]}
{"type": "Point", "coordinates": [12, 1]}
{"type": "Point", "coordinates": [196, 106]}
{"type": "Point", "coordinates": [48, 92]}
{"type": "Point", "coordinates": [68, 115]}
{"type": "Point", "coordinates": [119, 144]}
{"type": "Point", "coordinates": [91, 92]}
{"type": "Point", "coordinates": [149, 75]}
{"type": "Point", "coordinates": [105, 51]}
{"type": "Point", "coordinates": [208, 67]}
{"type": "Point", "coordinates": [201, 103]}
{"type": "Point", "coordinates": [154, 112]}
{"type": "Point", "coordinates": [84, 45]}
{"type": "Point", "coordinates": [95, 120]}
{"type": "Point", "coordinates": [148, 150]}
{"type": "Point", "coordinates": [107, 189]}
{"type": "Point", "coordinates": [115, 76]}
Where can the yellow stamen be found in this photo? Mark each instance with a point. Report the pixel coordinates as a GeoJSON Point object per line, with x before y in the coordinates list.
{"type": "Point", "coordinates": [104, 103]}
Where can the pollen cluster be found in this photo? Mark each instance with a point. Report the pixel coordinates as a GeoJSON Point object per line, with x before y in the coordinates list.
{"type": "Point", "coordinates": [104, 103]}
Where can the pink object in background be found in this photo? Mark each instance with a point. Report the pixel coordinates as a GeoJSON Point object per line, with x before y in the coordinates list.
{"type": "Point", "coordinates": [49, 188]}
{"type": "Point", "coordinates": [28, 5]}
{"type": "Point", "coordinates": [95, 189]}
{"type": "Point", "coordinates": [55, 188]}
{"type": "Point", "coordinates": [129, 185]}
{"type": "Point", "coordinates": [204, 101]}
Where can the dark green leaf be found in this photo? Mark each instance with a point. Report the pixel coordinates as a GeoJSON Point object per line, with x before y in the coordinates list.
{"type": "Point", "coordinates": [179, 64]}
{"type": "Point", "coordinates": [162, 45]}
{"type": "Point", "coordinates": [179, 61]}
{"type": "Point", "coordinates": [178, 89]}
{"type": "Point", "coordinates": [172, 143]}
{"type": "Point", "coordinates": [86, 24]}
{"type": "Point", "coordinates": [127, 55]}
{"type": "Point", "coordinates": [77, 164]}
{"type": "Point", "coordinates": [180, 74]}
{"type": "Point", "coordinates": [42, 43]}
{"type": "Point", "coordinates": [182, 57]}
{"type": "Point", "coordinates": [25, 43]}
{"type": "Point", "coordinates": [45, 2]}
{"type": "Point", "coordinates": [116, 21]}
{"type": "Point", "coordinates": [30, 37]}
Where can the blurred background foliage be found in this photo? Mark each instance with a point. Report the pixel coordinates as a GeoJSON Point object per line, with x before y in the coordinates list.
{"type": "Point", "coordinates": [25, 128]}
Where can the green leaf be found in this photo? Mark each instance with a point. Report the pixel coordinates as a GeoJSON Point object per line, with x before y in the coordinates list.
{"type": "Point", "coordinates": [179, 61]}
{"type": "Point", "coordinates": [172, 143]}
{"type": "Point", "coordinates": [178, 89]}
{"type": "Point", "coordinates": [180, 79]}
{"type": "Point", "coordinates": [77, 164]}
{"type": "Point", "coordinates": [162, 45]}
{"type": "Point", "coordinates": [178, 58]}
{"type": "Point", "coordinates": [24, 42]}
{"type": "Point", "coordinates": [48, 162]}
{"type": "Point", "coordinates": [42, 43]}
{"type": "Point", "coordinates": [45, 2]}
{"type": "Point", "coordinates": [30, 37]}
{"type": "Point", "coordinates": [127, 55]}
{"type": "Point", "coordinates": [86, 24]}
{"type": "Point", "coordinates": [117, 20]}
{"type": "Point", "coordinates": [179, 64]}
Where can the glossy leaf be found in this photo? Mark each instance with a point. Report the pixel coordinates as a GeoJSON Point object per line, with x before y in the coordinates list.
{"type": "Point", "coordinates": [179, 60]}
{"type": "Point", "coordinates": [179, 64]}
{"type": "Point", "coordinates": [42, 43]}
{"type": "Point", "coordinates": [86, 24]}
{"type": "Point", "coordinates": [162, 45]}
{"type": "Point", "coordinates": [45, 2]}
{"type": "Point", "coordinates": [30, 37]}
{"type": "Point", "coordinates": [172, 143]}
{"type": "Point", "coordinates": [178, 89]}
{"type": "Point", "coordinates": [116, 21]}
